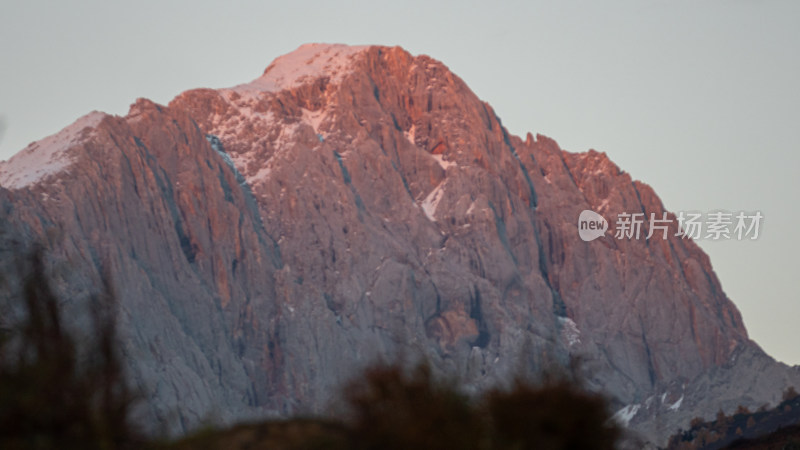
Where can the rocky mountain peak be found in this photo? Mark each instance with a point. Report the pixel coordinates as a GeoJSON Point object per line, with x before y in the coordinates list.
{"type": "Point", "coordinates": [356, 204]}
{"type": "Point", "coordinates": [304, 65]}
{"type": "Point", "coordinates": [49, 156]}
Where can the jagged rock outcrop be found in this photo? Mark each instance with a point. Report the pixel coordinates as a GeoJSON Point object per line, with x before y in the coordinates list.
{"type": "Point", "coordinates": [355, 203]}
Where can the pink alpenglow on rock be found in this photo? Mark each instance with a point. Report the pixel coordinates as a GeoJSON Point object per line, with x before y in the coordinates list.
{"type": "Point", "coordinates": [356, 204]}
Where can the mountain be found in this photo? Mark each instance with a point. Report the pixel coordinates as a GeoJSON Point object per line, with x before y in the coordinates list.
{"type": "Point", "coordinates": [355, 204]}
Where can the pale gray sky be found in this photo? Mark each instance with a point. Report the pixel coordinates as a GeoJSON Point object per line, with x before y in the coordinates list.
{"type": "Point", "coordinates": [699, 99]}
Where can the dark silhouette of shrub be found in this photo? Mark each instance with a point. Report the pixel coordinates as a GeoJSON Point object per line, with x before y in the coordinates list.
{"type": "Point", "coordinates": [53, 392]}
{"type": "Point", "coordinates": [766, 428]}
{"type": "Point", "coordinates": [294, 434]}
{"type": "Point", "coordinates": [790, 394]}
{"type": "Point", "coordinates": [696, 422]}
{"type": "Point", "coordinates": [555, 415]}
{"type": "Point", "coordinates": [392, 409]}
{"type": "Point", "coordinates": [395, 410]}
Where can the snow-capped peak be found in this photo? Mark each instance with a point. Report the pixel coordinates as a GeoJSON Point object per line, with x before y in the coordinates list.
{"type": "Point", "coordinates": [307, 63]}
{"type": "Point", "coordinates": [47, 156]}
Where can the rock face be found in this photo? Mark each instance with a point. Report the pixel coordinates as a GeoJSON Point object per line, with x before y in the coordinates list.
{"type": "Point", "coordinates": [359, 203]}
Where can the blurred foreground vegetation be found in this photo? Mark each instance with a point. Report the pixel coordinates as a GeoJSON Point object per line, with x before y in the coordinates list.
{"type": "Point", "coordinates": [775, 427]}
{"type": "Point", "coordinates": [57, 391]}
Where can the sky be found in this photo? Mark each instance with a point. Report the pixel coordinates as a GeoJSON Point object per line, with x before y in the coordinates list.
{"type": "Point", "coordinates": [699, 99]}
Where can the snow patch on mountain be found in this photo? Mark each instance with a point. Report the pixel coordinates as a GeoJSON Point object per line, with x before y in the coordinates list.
{"type": "Point", "coordinates": [431, 202]}
{"type": "Point", "coordinates": [676, 405]}
{"type": "Point", "coordinates": [314, 118]}
{"type": "Point", "coordinates": [624, 415]}
{"type": "Point", "coordinates": [442, 162]}
{"type": "Point", "coordinates": [570, 331]}
{"type": "Point", "coordinates": [309, 62]}
{"type": "Point", "coordinates": [411, 134]}
{"type": "Point", "coordinates": [48, 156]}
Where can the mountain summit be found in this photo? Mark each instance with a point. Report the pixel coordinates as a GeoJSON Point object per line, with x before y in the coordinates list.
{"type": "Point", "coordinates": [356, 204]}
{"type": "Point", "coordinates": [306, 64]}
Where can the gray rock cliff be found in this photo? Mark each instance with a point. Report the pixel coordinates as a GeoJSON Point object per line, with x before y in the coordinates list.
{"type": "Point", "coordinates": [356, 204]}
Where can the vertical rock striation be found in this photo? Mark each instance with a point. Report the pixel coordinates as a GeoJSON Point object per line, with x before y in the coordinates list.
{"type": "Point", "coordinates": [354, 204]}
